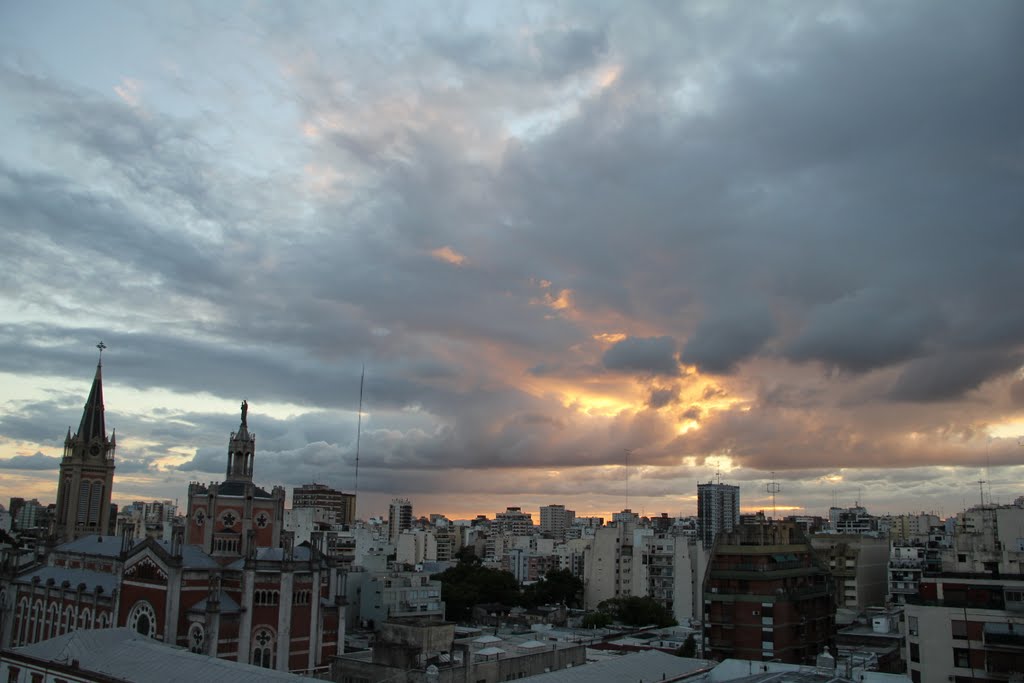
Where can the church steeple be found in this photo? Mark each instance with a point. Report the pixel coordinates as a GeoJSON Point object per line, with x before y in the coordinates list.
{"type": "Point", "coordinates": [86, 470]}
{"type": "Point", "coordinates": [93, 425]}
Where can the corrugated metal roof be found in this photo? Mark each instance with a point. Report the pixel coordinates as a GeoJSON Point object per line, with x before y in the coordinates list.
{"type": "Point", "coordinates": [108, 546]}
{"type": "Point", "coordinates": [124, 654]}
{"type": "Point", "coordinates": [91, 579]}
{"type": "Point", "coordinates": [636, 667]}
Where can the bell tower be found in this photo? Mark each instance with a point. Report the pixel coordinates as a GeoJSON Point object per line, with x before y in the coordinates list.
{"type": "Point", "coordinates": [86, 471]}
{"type": "Point", "coordinates": [241, 449]}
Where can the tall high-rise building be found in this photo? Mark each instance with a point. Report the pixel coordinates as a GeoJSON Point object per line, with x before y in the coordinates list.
{"type": "Point", "coordinates": [399, 518]}
{"type": "Point", "coordinates": [340, 506]}
{"type": "Point", "coordinates": [555, 520]}
{"type": "Point", "coordinates": [86, 472]}
{"type": "Point", "coordinates": [718, 509]}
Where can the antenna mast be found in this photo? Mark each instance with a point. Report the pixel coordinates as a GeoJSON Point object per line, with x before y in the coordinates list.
{"type": "Point", "coordinates": [773, 488]}
{"type": "Point", "coordinates": [359, 430]}
{"type": "Point", "coordinates": [628, 451]}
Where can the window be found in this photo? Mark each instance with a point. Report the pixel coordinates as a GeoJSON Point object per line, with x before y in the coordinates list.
{"type": "Point", "coordinates": [12, 674]}
{"type": "Point", "coordinates": [142, 619]}
{"type": "Point", "coordinates": [915, 652]}
{"type": "Point", "coordinates": [959, 627]}
{"type": "Point", "coordinates": [912, 626]}
{"type": "Point", "coordinates": [915, 676]}
{"type": "Point", "coordinates": [961, 657]}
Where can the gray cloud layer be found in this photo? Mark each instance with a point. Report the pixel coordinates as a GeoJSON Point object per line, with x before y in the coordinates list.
{"type": "Point", "coordinates": [821, 216]}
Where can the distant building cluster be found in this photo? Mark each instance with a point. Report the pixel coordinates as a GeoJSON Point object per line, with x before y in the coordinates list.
{"type": "Point", "coordinates": [241, 579]}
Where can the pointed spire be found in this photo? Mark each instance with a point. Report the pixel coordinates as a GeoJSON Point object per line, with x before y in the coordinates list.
{"type": "Point", "coordinates": [93, 424]}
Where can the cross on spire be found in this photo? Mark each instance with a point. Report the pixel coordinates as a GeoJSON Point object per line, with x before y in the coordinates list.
{"type": "Point", "coordinates": [101, 346]}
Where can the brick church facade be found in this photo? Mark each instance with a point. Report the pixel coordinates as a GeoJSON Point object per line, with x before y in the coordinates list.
{"type": "Point", "coordinates": [229, 583]}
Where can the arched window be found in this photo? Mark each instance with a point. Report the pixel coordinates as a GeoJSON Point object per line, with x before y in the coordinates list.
{"type": "Point", "coordinates": [94, 503]}
{"type": "Point", "coordinates": [83, 501]}
{"type": "Point", "coordinates": [142, 619]}
{"type": "Point", "coordinates": [263, 647]}
{"type": "Point", "coordinates": [103, 621]}
{"type": "Point", "coordinates": [85, 618]}
{"type": "Point", "coordinates": [22, 621]}
{"type": "Point", "coordinates": [68, 624]}
{"type": "Point", "coordinates": [37, 621]}
{"type": "Point", "coordinates": [197, 639]}
{"type": "Point", "coordinates": [53, 619]}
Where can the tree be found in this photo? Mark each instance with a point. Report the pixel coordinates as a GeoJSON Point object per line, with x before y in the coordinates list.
{"type": "Point", "coordinates": [688, 648]}
{"type": "Point", "coordinates": [637, 611]}
{"type": "Point", "coordinates": [558, 586]}
{"type": "Point", "coordinates": [469, 583]}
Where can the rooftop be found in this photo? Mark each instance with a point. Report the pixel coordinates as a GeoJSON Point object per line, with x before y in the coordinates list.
{"type": "Point", "coordinates": [122, 654]}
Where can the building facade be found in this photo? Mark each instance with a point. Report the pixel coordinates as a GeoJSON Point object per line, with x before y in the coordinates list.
{"type": "Point", "coordinates": [767, 596]}
{"type": "Point", "coordinates": [341, 506]}
{"type": "Point", "coordinates": [718, 510]}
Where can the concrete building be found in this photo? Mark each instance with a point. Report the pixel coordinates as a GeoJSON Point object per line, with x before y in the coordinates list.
{"type": "Point", "coordinates": [382, 596]}
{"type": "Point", "coordinates": [718, 509]}
{"type": "Point", "coordinates": [670, 568]}
{"type": "Point", "coordinates": [859, 566]}
{"type": "Point", "coordinates": [86, 472]}
{"type": "Point", "coordinates": [399, 518]}
{"type": "Point", "coordinates": [556, 520]}
{"type": "Point", "coordinates": [966, 628]}
{"type": "Point", "coordinates": [513, 521]}
{"type": "Point", "coordinates": [422, 651]}
{"type": "Point", "coordinates": [767, 596]}
{"type": "Point", "coordinates": [340, 506]}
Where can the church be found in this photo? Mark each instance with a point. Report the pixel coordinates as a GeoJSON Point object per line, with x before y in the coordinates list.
{"type": "Point", "coordinates": [230, 583]}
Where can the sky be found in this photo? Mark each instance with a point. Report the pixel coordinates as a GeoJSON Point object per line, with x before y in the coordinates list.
{"type": "Point", "coordinates": [588, 253]}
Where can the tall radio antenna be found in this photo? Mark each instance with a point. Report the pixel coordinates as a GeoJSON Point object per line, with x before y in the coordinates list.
{"type": "Point", "coordinates": [773, 488]}
{"type": "Point", "coordinates": [628, 451]}
{"type": "Point", "coordinates": [359, 431]}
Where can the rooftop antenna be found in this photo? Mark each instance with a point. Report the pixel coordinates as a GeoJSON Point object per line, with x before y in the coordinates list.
{"type": "Point", "coordinates": [628, 451]}
{"type": "Point", "coordinates": [773, 488]}
{"type": "Point", "coordinates": [718, 470]}
{"type": "Point", "coordinates": [981, 486]}
{"type": "Point", "coordinates": [359, 430]}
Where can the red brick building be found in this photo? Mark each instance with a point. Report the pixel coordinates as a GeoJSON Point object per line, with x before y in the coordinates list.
{"type": "Point", "coordinates": [766, 596]}
{"type": "Point", "coordinates": [229, 584]}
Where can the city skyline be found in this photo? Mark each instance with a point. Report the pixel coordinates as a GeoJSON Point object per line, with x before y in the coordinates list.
{"type": "Point", "coordinates": [779, 241]}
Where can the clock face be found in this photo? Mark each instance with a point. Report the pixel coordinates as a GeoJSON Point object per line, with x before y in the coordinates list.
{"type": "Point", "coordinates": [95, 450]}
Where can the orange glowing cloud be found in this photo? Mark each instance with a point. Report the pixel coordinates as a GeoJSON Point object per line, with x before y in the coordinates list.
{"type": "Point", "coordinates": [448, 255]}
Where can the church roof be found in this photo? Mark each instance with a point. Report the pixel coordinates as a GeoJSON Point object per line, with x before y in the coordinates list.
{"type": "Point", "coordinates": [124, 655]}
{"type": "Point", "coordinates": [93, 424]}
{"type": "Point", "coordinates": [74, 577]}
{"type": "Point", "coordinates": [301, 554]}
{"type": "Point", "coordinates": [192, 556]}
{"type": "Point", "coordinates": [108, 546]}
{"type": "Point", "coordinates": [237, 488]}
{"type": "Point", "coordinates": [227, 604]}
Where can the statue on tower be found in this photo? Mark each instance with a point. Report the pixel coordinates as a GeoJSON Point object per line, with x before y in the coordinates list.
{"type": "Point", "coordinates": [245, 412]}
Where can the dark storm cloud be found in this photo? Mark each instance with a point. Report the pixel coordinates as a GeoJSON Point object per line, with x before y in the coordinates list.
{"type": "Point", "coordinates": [949, 376]}
{"type": "Point", "coordinates": [36, 461]}
{"type": "Point", "coordinates": [659, 398]}
{"type": "Point", "coordinates": [853, 180]}
{"type": "Point", "coordinates": [868, 330]}
{"type": "Point", "coordinates": [730, 335]}
{"type": "Point", "coordinates": [645, 355]}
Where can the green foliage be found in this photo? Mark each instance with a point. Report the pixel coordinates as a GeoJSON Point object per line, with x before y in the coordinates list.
{"type": "Point", "coordinates": [637, 611]}
{"type": "Point", "coordinates": [557, 587]}
{"type": "Point", "coordinates": [597, 620]}
{"type": "Point", "coordinates": [469, 583]}
{"type": "Point", "coordinates": [688, 648]}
